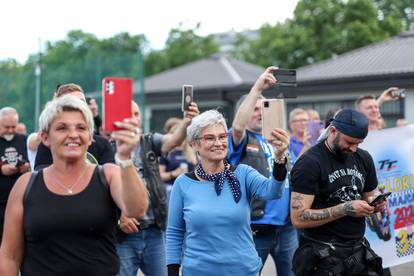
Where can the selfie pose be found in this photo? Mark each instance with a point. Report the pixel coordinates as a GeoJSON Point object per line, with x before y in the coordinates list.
{"type": "Point", "coordinates": [208, 228]}
{"type": "Point", "coordinates": [62, 220]}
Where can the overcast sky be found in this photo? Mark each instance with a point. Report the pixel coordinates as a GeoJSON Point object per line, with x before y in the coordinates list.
{"type": "Point", "coordinates": [24, 22]}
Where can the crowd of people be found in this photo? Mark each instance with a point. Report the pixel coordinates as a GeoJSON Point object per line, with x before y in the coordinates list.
{"type": "Point", "coordinates": [200, 198]}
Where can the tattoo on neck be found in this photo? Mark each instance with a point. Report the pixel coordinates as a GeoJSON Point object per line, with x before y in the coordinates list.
{"type": "Point", "coordinates": [349, 209]}
{"type": "Point", "coordinates": [315, 216]}
{"type": "Point", "coordinates": [297, 202]}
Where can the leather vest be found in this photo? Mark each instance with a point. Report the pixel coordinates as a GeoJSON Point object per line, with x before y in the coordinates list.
{"type": "Point", "coordinates": [254, 156]}
{"type": "Point", "coordinates": [151, 175]}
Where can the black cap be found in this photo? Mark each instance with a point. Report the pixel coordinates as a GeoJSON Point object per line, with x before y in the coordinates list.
{"type": "Point", "coordinates": [352, 123]}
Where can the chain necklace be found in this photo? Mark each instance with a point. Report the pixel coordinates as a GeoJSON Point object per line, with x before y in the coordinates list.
{"type": "Point", "coordinates": [328, 146]}
{"type": "Point", "coordinates": [70, 189]}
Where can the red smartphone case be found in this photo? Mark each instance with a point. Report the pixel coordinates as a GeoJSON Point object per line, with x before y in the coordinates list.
{"type": "Point", "coordinates": [116, 101]}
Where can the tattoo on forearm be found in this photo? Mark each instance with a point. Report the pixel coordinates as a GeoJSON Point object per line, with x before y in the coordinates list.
{"type": "Point", "coordinates": [349, 209]}
{"type": "Point", "coordinates": [337, 211]}
{"type": "Point", "coordinates": [297, 202]}
{"type": "Point", "coordinates": [315, 216]}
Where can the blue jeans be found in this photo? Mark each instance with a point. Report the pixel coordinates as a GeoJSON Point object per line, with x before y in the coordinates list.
{"type": "Point", "coordinates": [281, 246]}
{"type": "Point", "coordinates": [144, 250]}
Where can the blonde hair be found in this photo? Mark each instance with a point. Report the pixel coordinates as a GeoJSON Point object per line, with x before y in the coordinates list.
{"type": "Point", "coordinates": [66, 103]}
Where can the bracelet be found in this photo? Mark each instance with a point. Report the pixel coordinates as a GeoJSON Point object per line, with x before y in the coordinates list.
{"type": "Point", "coordinates": [281, 160]}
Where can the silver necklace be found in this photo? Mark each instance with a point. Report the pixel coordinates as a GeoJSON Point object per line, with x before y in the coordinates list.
{"type": "Point", "coordinates": [70, 189]}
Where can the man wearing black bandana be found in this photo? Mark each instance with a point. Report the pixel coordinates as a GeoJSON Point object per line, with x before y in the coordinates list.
{"type": "Point", "coordinates": [332, 185]}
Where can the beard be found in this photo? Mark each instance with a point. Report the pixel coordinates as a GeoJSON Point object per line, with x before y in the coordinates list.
{"type": "Point", "coordinates": [8, 137]}
{"type": "Point", "coordinates": [340, 154]}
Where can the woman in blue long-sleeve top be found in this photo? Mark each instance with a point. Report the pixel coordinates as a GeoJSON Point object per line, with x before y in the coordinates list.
{"type": "Point", "coordinates": [209, 208]}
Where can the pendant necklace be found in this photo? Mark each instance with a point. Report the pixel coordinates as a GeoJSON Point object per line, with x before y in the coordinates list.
{"type": "Point", "coordinates": [70, 189]}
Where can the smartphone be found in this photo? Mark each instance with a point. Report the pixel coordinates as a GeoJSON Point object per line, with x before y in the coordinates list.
{"type": "Point", "coordinates": [286, 83]}
{"type": "Point", "coordinates": [399, 93]}
{"type": "Point", "coordinates": [314, 128]}
{"type": "Point", "coordinates": [273, 116]}
{"type": "Point", "coordinates": [285, 76]}
{"type": "Point", "coordinates": [116, 101]}
{"type": "Point", "coordinates": [187, 97]}
{"type": "Point", "coordinates": [380, 198]}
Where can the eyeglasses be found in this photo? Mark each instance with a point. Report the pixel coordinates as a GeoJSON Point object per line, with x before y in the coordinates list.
{"type": "Point", "coordinates": [299, 121]}
{"type": "Point", "coordinates": [210, 139]}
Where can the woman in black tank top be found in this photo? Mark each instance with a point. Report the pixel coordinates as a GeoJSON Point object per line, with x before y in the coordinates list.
{"type": "Point", "coordinates": [62, 220]}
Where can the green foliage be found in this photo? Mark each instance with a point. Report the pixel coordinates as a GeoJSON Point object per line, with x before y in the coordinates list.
{"type": "Point", "coordinates": [182, 46]}
{"type": "Point", "coordinates": [84, 59]}
{"type": "Point", "coordinates": [321, 29]}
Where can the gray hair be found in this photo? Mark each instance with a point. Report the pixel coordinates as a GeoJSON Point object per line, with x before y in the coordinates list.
{"type": "Point", "coordinates": [295, 112]}
{"type": "Point", "coordinates": [204, 120]}
{"type": "Point", "coordinates": [8, 110]}
{"type": "Point", "coordinates": [65, 103]}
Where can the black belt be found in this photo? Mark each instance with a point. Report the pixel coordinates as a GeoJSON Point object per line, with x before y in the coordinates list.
{"type": "Point", "coordinates": [145, 225]}
{"type": "Point", "coordinates": [263, 229]}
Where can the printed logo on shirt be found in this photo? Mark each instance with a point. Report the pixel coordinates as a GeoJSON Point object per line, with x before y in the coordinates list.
{"type": "Point", "coordinates": [11, 156]}
{"type": "Point", "coordinates": [348, 192]}
{"type": "Point", "coordinates": [252, 148]}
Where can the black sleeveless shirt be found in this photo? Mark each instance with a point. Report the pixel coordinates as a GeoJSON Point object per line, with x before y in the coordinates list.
{"type": "Point", "coordinates": [70, 235]}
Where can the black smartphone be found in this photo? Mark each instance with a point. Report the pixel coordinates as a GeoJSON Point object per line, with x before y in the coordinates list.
{"type": "Point", "coordinates": [285, 77]}
{"type": "Point", "coordinates": [380, 198]}
{"type": "Point", "coordinates": [187, 97]}
{"type": "Point", "coordinates": [286, 83]}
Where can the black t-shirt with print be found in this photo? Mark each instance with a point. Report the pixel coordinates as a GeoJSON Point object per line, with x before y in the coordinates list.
{"type": "Point", "coordinates": [11, 152]}
{"type": "Point", "coordinates": [319, 172]}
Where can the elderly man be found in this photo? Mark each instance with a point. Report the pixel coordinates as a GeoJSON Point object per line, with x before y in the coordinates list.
{"type": "Point", "coordinates": [332, 186]}
{"type": "Point", "coordinates": [300, 138]}
{"type": "Point", "coordinates": [13, 154]}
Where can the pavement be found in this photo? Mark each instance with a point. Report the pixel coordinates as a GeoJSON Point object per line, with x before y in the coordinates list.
{"type": "Point", "coordinates": [406, 269]}
{"type": "Point", "coordinates": [399, 270]}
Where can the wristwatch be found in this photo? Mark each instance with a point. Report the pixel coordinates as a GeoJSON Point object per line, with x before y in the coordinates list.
{"type": "Point", "coordinates": [123, 163]}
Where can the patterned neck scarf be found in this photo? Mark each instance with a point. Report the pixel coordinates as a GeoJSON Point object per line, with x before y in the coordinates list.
{"type": "Point", "coordinates": [219, 178]}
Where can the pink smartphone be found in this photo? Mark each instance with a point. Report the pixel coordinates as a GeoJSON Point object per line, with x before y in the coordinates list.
{"type": "Point", "coordinates": [116, 101]}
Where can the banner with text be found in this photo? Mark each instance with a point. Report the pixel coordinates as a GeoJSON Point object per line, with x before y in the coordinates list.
{"type": "Point", "coordinates": [391, 232]}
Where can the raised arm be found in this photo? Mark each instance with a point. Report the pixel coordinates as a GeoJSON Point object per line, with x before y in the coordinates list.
{"type": "Point", "coordinates": [247, 107]}
{"type": "Point", "coordinates": [303, 216]}
{"type": "Point", "coordinates": [127, 188]}
{"type": "Point", "coordinates": [171, 140]}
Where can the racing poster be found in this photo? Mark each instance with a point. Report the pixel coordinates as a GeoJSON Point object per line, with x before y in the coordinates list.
{"type": "Point", "coordinates": [391, 232]}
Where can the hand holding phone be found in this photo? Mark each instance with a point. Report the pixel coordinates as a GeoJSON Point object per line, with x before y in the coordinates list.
{"type": "Point", "coordinates": [273, 116]}
{"type": "Point", "coordinates": [380, 198]}
{"type": "Point", "coordinates": [116, 101]}
{"type": "Point", "coordinates": [187, 97]}
{"type": "Point", "coordinates": [286, 83]}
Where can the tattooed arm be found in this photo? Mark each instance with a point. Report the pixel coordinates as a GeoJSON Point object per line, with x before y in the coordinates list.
{"type": "Point", "coordinates": [303, 216]}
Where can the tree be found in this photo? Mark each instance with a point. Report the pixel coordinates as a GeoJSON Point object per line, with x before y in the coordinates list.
{"type": "Point", "coordinates": [397, 10]}
{"type": "Point", "coordinates": [319, 30]}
